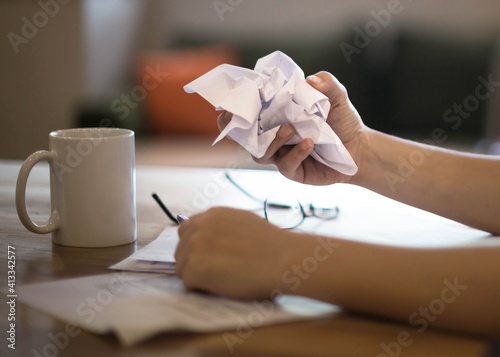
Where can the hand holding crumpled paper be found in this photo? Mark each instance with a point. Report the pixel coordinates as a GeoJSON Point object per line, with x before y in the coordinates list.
{"type": "Point", "coordinates": [272, 94]}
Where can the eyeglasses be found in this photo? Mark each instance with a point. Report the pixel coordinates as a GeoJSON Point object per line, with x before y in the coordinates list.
{"type": "Point", "coordinates": [279, 209]}
{"type": "Point", "coordinates": [286, 211]}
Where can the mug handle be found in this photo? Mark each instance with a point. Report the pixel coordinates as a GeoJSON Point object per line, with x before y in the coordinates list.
{"type": "Point", "coordinates": [53, 223]}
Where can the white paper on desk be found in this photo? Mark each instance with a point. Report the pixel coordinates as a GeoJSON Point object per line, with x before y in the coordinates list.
{"type": "Point", "coordinates": [156, 257]}
{"type": "Point", "coordinates": [272, 94]}
{"type": "Point", "coordinates": [149, 266]}
{"type": "Point", "coordinates": [139, 306]}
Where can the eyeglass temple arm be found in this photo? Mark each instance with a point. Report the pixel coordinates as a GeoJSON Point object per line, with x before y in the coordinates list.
{"type": "Point", "coordinates": [245, 192]}
{"type": "Point", "coordinates": [278, 205]}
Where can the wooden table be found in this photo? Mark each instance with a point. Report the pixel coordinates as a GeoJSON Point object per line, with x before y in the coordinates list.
{"type": "Point", "coordinates": [38, 260]}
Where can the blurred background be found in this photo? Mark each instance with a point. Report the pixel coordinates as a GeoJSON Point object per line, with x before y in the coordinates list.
{"type": "Point", "coordinates": [410, 67]}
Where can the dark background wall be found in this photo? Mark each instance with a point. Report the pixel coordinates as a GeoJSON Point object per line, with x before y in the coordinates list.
{"type": "Point", "coordinates": [427, 58]}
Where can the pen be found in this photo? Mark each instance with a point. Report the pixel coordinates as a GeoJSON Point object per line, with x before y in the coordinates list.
{"type": "Point", "coordinates": [180, 218]}
{"type": "Point", "coordinates": [164, 208]}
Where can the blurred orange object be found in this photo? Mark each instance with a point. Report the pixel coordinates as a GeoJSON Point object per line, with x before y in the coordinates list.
{"type": "Point", "coordinates": [169, 109]}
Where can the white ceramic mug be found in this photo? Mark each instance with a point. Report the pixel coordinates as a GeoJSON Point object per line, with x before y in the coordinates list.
{"type": "Point", "coordinates": [92, 187]}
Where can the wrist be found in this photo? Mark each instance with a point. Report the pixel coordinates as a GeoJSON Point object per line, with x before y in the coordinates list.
{"type": "Point", "coordinates": [291, 271]}
{"type": "Point", "coordinates": [364, 157]}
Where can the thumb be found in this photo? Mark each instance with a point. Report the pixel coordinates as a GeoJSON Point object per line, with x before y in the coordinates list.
{"type": "Point", "coordinates": [330, 86]}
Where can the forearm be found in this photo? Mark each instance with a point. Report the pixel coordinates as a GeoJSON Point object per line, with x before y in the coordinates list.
{"type": "Point", "coordinates": [455, 288]}
{"type": "Point", "coordinates": [459, 186]}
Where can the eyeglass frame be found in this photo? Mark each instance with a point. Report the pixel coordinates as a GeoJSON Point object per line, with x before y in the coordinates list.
{"type": "Point", "coordinates": [305, 215]}
{"type": "Point", "coordinates": [264, 202]}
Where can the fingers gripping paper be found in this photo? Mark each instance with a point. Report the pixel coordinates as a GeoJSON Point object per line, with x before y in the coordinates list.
{"type": "Point", "coordinates": [272, 94]}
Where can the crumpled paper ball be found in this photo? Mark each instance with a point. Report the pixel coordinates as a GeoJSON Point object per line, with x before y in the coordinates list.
{"type": "Point", "coordinates": [275, 92]}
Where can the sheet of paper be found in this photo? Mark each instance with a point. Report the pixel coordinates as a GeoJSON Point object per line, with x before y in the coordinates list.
{"type": "Point", "coordinates": [131, 264]}
{"type": "Point", "coordinates": [384, 221]}
{"type": "Point", "coordinates": [161, 249]}
{"type": "Point", "coordinates": [138, 306]}
{"type": "Point", "coordinates": [272, 94]}
{"type": "Point", "coordinates": [156, 257]}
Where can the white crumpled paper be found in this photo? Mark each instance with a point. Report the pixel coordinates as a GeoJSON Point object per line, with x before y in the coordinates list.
{"type": "Point", "coordinates": [272, 94]}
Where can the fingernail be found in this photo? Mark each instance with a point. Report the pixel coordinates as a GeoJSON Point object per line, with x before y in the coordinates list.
{"type": "Point", "coordinates": [314, 79]}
